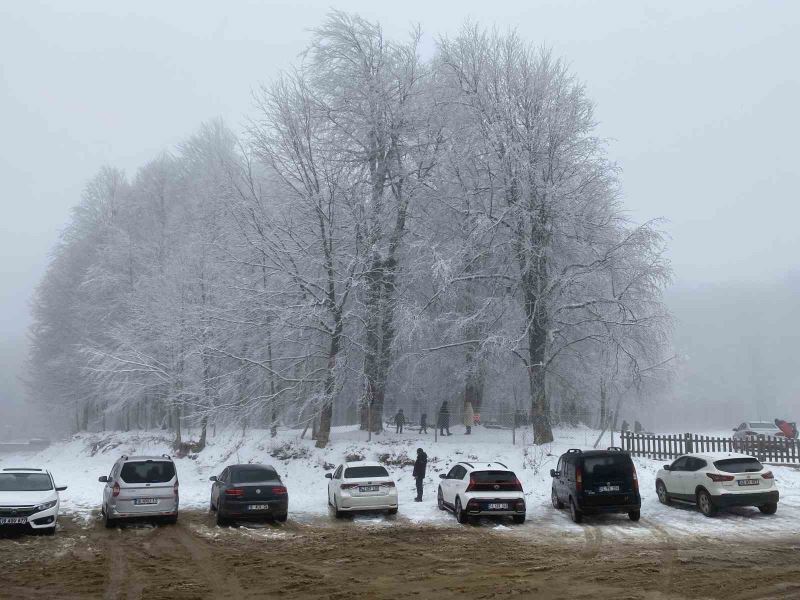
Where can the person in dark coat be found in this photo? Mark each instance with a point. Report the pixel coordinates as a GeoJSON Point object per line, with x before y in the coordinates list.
{"type": "Point", "coordinates": [444, 419]}
{"type": "Point", "coordinates": [423, 423]}
{"type": "Point", "coordinates": [399, 421]}
{"type": "Point", "coordinates": [420, 465]}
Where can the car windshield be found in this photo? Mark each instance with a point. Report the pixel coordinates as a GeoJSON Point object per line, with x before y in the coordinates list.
{"type": "Point", "coordinates": [739, 465]}
{"type": "Point", "coordinates": [364, 472]}
{"type": "Point", "coordinates": [493, 476]}
{"type": "Point", "coordinates": [604, 466]}
{"type": "Point", "coordinates": [25, 482]}
{"type": "Point", "coordinates": [762, 426]}
{"type": "Point", "coordinates": [148, 471]}
{"type": "Point", "coordinates": [253, 475]}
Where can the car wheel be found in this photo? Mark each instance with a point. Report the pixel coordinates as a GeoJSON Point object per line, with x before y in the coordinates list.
{"type": "Point", "coordinates": [769, 509]}
{"type": "Point", "coordinates": [554, 498]}
{"type": "Point", "coordinates": [108, 521]}
{"type": "Point", "coordinates": [391, 511]}
{"type": "Point", "coordinates": [221, 521]}
{"type": "Point", "coordinates": [574, 513]}
{"type": "Point", "coordinates": [635, 515]}
{"type": "Point", "coordinates": [661, 492]}
{"type": "Point", "coordinates": [519, 519]}
{"type": "Point", "coordinates": [211, 506]}
{"type": "Point", "coordinates": [440, 500]}
{"type": "Point", "coordinates": [171, 520]}
{"type": "Point", "coordinates": [49, 530]}
{"type": "Point", "coordinates": [282, 517]}
{"type": "Point", "coordinates": [461, 516]}
{"type": "Point", "coordinates": [705, 504]}
{"type": "Point", "coordinates": [336, 512]}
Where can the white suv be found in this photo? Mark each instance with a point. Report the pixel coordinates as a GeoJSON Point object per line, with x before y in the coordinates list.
{"type": "Point", "coordinates": [29, 498]}
{"type": "Point", "coordinates": [473, 489]}
{"type": "Point", "coordinates": [714, 481]}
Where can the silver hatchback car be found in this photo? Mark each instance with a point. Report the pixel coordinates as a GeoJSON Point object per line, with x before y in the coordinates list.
{"type": "Point", "coordinates": [141, 487]}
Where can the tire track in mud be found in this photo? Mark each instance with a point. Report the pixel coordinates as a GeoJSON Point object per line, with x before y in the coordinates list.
{"type": "Point", "coordinates": [220, 583]}
{"type": "Point", "coordinates": [594, 541]}
{"type": "Point", "coordinates": [670, 555]}
{"type": "Point", "coordinates": [117, 567]}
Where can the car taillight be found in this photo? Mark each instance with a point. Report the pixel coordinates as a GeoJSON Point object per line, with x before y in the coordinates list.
{"type": "Point", "coordinates": [768, 475]}
{"type": "Point", "coordinates": [348, 486]}
{"type": "Point", "coordinates": [719, 478]}
{"type": "Point", "coordinates": [635, 480]}
{"type": "Point", "coordinates": [388, 484]}
{"type": "Point", "coordinates": [175, 489]}
{"type": "Point", "coordinates": [236, 492]}
{"type": "Point", "coordinates": [279, 491]}
{"type": "Point", "coordinates": [579, 479]}
{"type": "Point", "coordinates": [471, 486]}
{"type": "Point", "coordinates": [516, 485]}
{"type": "Point", "coordinates": [115, 490]}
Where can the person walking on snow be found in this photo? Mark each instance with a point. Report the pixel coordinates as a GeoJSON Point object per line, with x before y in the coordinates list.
{"type": "Point", "coordinates": [419, 472]}
{"type": "Point", "coordinates": [469, 417]}
{"type": "Point", "coordinates": [423, 423]}
{"type": "Point", "coordinates": [443, 422]}
{"type": "Point", "coordinates": [399, 421]}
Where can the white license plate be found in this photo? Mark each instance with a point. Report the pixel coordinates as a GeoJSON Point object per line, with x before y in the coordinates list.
{"type": "Point", "coordinates": [140, 501]}
{"type": "Point", "coordinates": [496, 506]}
{"type": "Point", "coordinates": [369, 488]}
{"type": "Point", "coordinates": [608, 488]}
{"type": "Point", "coordinates": [748, 482]}
{"type": "Point", "coordinates": [258, 507]}
{"type": "Point", "coordinates": [13, 520]}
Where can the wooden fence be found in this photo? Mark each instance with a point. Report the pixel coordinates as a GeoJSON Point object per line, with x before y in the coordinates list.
{"type": "Point", "coordinates": [664, 447]}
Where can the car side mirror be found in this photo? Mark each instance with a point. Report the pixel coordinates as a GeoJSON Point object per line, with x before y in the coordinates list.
{"type": "Point", "coordinates": [103, 479]}
{"type": "Point", "coordinates": [442, 476]}
{"type": "Point", "coordinates": [667, 468]}
{"type": "Point", "coordinates": [328, 475]}
{"type": "Point", "coordinates": [61, 488]}
{"type": "Point", "coordinates": [553, 473]}
{"type": "Point", "coordinates": [213, 478]}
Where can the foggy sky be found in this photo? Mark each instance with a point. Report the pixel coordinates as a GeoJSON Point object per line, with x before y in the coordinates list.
{"type": "Point", "coordinates": [701, 98]}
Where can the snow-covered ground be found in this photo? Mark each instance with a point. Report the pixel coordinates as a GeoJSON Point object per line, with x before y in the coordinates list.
{"type": "Point", "coordinates": [78, 463]}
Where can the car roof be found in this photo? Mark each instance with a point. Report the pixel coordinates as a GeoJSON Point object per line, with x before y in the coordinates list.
{"type": "Point", "coordinates": [252, 466]}
{"type": "Point", "coordinates": [478, 466]}
{"type": "Point", "coordinates": [719, 455]}
{"type": "Point", "coordinates": [25, 470]}
{"type": "Point", "coordinates": [362, 463]}
{"type": "Point", "coordinates": [164, 457]}
{"type": "Point", "coordinates": [591, 453]}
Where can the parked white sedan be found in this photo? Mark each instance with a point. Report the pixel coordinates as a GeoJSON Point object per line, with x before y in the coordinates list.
{"type": "Point", "coordinates": [715, 481]}
{"type": "Point", "coordinates": [361, 486]}
{"type": "Point", "coordinates": [29, 499]}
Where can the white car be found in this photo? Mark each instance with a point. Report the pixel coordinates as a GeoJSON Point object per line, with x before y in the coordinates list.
{"type": "Point", "coordinates": [472, 489]}
{"type": "Point", "coordinates": [361, 486]}
{"type": "Point", "coordinates": [753, 429]}
{"type": "Point", "coordinates": [715, 481]}
{"type": "Point", "coordinates": [29, 499]}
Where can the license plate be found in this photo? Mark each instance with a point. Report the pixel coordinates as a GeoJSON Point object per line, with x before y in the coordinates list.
{"type": "Point", "coordinates": [369, 488]}
{"type": "Point", "coordinates": [258, 507]}
{"type": "Point", "coordinates": [496, 506]}
{"type": "Point", "coordinates": [748, 482]}
{"type": "Point", "coordinates": [140, 501]}
{"type": "Point", "coordinates": [608, 488]}
{"type": "Point", "coordinates": [13, 520]}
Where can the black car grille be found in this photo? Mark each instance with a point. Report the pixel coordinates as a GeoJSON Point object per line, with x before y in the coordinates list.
{"type": "Point", "coordinates": [16, 511]}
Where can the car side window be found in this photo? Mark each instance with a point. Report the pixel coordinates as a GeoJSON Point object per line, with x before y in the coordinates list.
{"type": "Point", "coordinates": [569, 466]}
{"type": "Point", "coordinates": [680, 464]}
{"type": "Point", "coordinates": [452, 473]}
{"type": "Point", "coordinates": [224, 476]}
{"type": "Point", "coordinates": [695, 464]}
{"type": "Point", "coordinates": [338, 473]}
{"type": "Point", "coordinates": [560, 465]}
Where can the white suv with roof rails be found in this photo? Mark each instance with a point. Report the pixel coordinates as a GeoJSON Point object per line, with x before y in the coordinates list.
{"type": "Point", "coordinates": [472, 489]}
{"type": "Point", "coordinates": [29, 499]}
{"type": "Point", "coordinates": [718, 480]}
{"type": "Point", "coordinates": [140, 487]}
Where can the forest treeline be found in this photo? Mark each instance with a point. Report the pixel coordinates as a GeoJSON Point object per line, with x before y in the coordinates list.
{"type": "Point", "coordinates": [387, 232]}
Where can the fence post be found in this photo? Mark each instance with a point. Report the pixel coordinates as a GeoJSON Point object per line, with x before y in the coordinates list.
{"type": "Point", "coordinates": [688, 443]}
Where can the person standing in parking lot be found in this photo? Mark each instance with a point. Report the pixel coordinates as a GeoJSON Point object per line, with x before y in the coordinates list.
{"type": "Point", "coordinates": [423, 423]}
{"type": "Point", "coordinates": [443, 420]}
{"type": "Point", "coordinates": [469, 417]}
{"type": "Point", "coordinates": [399, 421]}
{"type": "Point", "coordinates": [420, 465]}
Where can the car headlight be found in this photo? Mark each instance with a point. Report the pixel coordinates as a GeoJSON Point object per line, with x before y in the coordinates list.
{"type": "Point", "coordinates": [46, 505]}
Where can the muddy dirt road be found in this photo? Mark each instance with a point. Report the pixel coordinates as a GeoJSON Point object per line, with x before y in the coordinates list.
{"type": "Point", "coordinates": [195, 559]}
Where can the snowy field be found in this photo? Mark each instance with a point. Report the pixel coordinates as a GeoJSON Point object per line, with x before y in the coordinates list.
{"type": "Point", "coordinates": [78, 463]}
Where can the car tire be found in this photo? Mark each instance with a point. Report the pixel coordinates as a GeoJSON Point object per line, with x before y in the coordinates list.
{"type": "Point", "coordinates": [171, 520]}
{"type": "Point", "coordinates": [336, 512]}
{"type": "Point", "coordinates": [440, 500]}
{"type": "Point", "coordinates": [557, 504]}
{"type": "Point", "coordinates": [282, 517]}
{"type": "Point", "coordinates": [461, 516]}
{"type": "Point", "coordinates": [705, 504]}
{"type": "Point", "coordinates": [661, 492]}
{"type": "Point", "coordinates": [574, 513]}
{"type": "Point", "coordinates": [391, 511]}
{"type": "Point", "coordinates": [635, 515]}
{"type": "Point", "coordinates": [211, 506]}
{"type": "Point", "coordinates": [769, 509]}
{"type": "Point", "coordinates": [108, 521]}
{"type": "Point", "coordinates": [222, 521]}
{"type": "Point", "coordinates": [49, 530]}
{"type": "Point", "coordinates": [519, 519]}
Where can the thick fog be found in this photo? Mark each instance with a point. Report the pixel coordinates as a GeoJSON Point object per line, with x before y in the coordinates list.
{"type": "Point", "coordinates": [698, 101]}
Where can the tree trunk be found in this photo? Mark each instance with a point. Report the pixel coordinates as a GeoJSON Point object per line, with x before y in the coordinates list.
{"type": "Point", "coordinates": [326, 414]}
{"type": "Point", "coordinates": [177, 421]}
{"type": "Point", "coordinates": [540, 405]}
